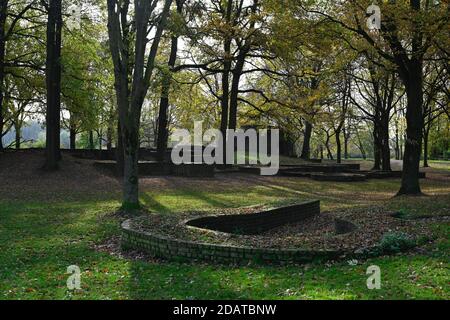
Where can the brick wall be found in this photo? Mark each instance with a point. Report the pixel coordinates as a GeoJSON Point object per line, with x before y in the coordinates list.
{"type": "Point", "coordinates": [178, 250]}
{"type": "Point", "coordinates": [193, 170]}
{"type": "Point", "coordinates": [258, 222]}
{"type": "Point", "coordinates": [153, 168]}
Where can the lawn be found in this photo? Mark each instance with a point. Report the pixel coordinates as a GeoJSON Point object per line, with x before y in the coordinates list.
{"type": "Point", "coordinates": [440, 164]}
{"type": "Point", "coordinates": [40, 237]}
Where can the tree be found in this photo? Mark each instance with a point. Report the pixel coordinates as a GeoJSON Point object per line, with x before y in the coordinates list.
{"type": "Point", "coordinates": [434, 87]}
{"type": "Point", "coordinates": [378, 95]}
{"type": "Point", "coordinates": [3, 12]}
{"type": "Point", "coordinates": [7, 29]}
{"type": "Point", "coordinates": [20, 95]}
{"type": "Point", "coordinates": [309, 60]}
{"type": "Point", "coordinates": [344, 95]}
{"type": "Point", "coordinates": [403, 42]}
{"type": "Point", "coordinates": [53, 81]}
{"type": "Point", "coordinates": [231, 35]}
{"type": "Point", "coordinates": [87, 84]}
{"type": "Point", "coordinates": [133, 75]}
{"type": "Point", "coordinates": [163, 131]}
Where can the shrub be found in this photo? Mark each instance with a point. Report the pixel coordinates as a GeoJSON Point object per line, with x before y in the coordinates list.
{"type": "Point", "coordinates": [396, 242]}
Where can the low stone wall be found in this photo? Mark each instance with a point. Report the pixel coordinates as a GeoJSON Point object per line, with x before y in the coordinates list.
{"type": "Point", "coordinates": [193, 170]}
{"type": "Point", "coordinates": [93, 154]}
{"type": "Point", "coordinates": [347, 176]}
{"type": "Point", "coordinates": [324, 168]}
{"type": "Point", "coordinates": [307, 168]}
{"type": "Point", "coordinates": [389, 174]}
{"type": "Point", "coordinates": [339, 177]}
{"type": "Point", "coordinates": [146, 168]}
{"type": "Point", "coordinates": [177, 250]}
{"type": "Point", "coordinates": [107, 165]}
{"type": "Point", "coordinates": [250, 169]}
{"type": "Point", "coordinates": [296, 174]}
{"type": "Point", "coordinates": [335, 177]}
{"type": "Point", "coordinates": [258, 222]}
{"type": "Point", "coordinates": [153, 168]}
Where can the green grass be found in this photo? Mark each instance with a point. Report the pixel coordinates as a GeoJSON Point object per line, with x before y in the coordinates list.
{"type": "Point", "coordinates": [439, 164]}
{"type": "Point", "coordinates": [38, 241]}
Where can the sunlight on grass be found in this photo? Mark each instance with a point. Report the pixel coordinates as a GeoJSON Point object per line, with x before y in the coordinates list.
{"type": "Point", "coordinates": [38, 241]}
{"type": "Point", "coordinates": [439, 164]}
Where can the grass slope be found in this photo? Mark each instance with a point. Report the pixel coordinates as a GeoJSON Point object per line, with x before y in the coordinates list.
{"type": "Point", "coordinates": [41, 236]}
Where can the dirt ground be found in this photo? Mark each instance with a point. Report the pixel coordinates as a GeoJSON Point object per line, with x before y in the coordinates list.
{"type": "Point", "coordinates": [313, 233]}
{"type": "Point", "coordinates": [23, 179]}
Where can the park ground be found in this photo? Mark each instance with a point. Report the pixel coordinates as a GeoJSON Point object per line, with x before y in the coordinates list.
{"type": "Point", "coordinates": [51, 221]}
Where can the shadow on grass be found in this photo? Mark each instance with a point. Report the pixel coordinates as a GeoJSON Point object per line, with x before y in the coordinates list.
{"type": "Point", "coordinates": [39, 241]}
{"type": "Point", "coordinates": [168, 280]}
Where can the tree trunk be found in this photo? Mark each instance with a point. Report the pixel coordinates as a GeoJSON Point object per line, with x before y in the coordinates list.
{"type": "Point", "coordinates": [163, 130]}
{"type": "Point", "coordinates": [100, 140]}
{"type": "Point", "coordinates": [109, 137]}
{"type": "Point", "coordinates": [237, 73]}
{"type": "Point", "coordinates": [225, 98]}
{"type": "Point", "coordinates": [338, 147]}
{"type": "Point", "coordinates": [384, 139]}
{"type": "Point", "coordinates": [227, 63]}
{"type": "Point", "coordinates": [130, 173]}
{"type": "Point", "coordinates": [346, 138]}
{"type": "Point", "coordinates": [376, 147]}
{"type": "Point", "coordinates": [287, 144]}
{"type": "Point", "coordinates": [329, 154]}
{"type": "Point", "coordinates": [17, 129]}
{"type": "Point", "coordinates": [397, 142]}
{"type": "Point", "coordinates": [119, 151]}
{"type": "Point", "coordinates": [414, 118]}
{"type": "Point", "coordinates": [91, 140]}
{"type": "Point", "coordinates": [360, 146]}
{"type": "Point", "coordinates": [53, 80]}
{"type": "Point", "coordinates": [225, 94]}
{"type": "Point", "coordinates": [73, 139]}
{"type": "Point", "coordinates": [163, 123]}
{"type": "Point", "coordinates": [225, 103]}
{"type": "Point", "coordinates": [327, 145]}
{"type": "Point", "coordinates": [234, 94]}
{"type": "Point", "coordinates": [426, 135]}
{"type": "Point", "coordinates": [137, 72]}
{"type": "Point", "coordinates": [3, 11]}
{"type": "Point", "coordinates": [306, 149]}
{"type": "Point", "coordinates": [402, 147]}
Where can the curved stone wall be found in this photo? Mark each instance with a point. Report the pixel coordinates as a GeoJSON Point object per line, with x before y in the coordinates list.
{"type": "Point", "coordinates": [178, 250]}
{"type": "Point", "coordinates": [175, 249]}
{"type": "Point", "coordinates": [258, 222]}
